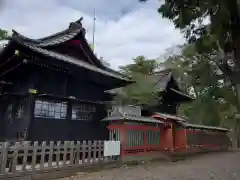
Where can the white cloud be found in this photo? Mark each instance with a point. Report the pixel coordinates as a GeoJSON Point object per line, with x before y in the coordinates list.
{"type": "Point", "coordinates": [124, 30]}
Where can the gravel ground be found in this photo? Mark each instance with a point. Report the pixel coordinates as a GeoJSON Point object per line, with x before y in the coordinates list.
{"type": "Point", "coordinates": [219, 166]}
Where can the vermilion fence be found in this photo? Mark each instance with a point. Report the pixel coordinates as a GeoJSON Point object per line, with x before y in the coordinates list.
{"type": "Point", "coordinates": [142, 139]}
{"type": "Point", "coordinates": [137, 139]}
{"type": "Point", "coordinates": [203, 139]}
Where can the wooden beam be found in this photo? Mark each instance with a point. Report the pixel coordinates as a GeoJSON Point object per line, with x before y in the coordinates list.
{"type": "Point", "coordinates": [6, 83]}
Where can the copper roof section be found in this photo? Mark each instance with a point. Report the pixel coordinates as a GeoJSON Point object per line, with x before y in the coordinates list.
{"type": "Point", "coordinates": [132, 119]}
{"type": "Point", "coordinates": [168, 116]}
{"type": "Point", "coordinates": [197, 126]}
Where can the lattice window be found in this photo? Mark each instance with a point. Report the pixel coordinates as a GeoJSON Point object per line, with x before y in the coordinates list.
{"type": "Point", "coordinates": [20, 110]}
{"type": "Point", "coordinates": [48, 109]}
{"type": "Point", "coordinates": [192, 137]}
{"type": "Point", "coordinates": [153, 137]}
{"type": "Point", "coordinates": [134, 138]}
{"type": "Point", "coordinates": [9, 113]}
{"type": "Point", "coordinates": [83, 112]}
{"type": "Point", "coordinates": [14, 110]}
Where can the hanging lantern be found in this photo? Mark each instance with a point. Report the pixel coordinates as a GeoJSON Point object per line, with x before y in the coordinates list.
{"type": "Point", "coordinates": [16, 52]}
{"type": "Point", "coordinates": [32, 91]}
{"type": "Point", "coordinates": [91, 46]}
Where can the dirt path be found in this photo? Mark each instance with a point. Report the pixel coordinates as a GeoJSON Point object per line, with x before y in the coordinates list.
{"type": "Point", "coordinates": [219, 166]}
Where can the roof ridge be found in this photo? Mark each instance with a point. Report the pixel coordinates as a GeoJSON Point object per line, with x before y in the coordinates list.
{"type": "Point", "coordinates": [74, 27]}
{"type": "Point", "coordinates": [162, 71]}
{"type": "Point", "coordinates": [182, 93]}
{"type": "Point", "coordinates": [162, 78]}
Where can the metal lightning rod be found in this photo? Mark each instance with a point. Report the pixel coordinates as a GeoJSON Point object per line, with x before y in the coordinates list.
{"type": "Point", "coordinates": [94, 28]}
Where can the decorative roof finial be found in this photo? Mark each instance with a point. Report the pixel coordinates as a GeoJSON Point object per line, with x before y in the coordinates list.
{"type": "Point", "coordinates": [79, 21]}
{"type": "Point", "coordinates": [77, 24]}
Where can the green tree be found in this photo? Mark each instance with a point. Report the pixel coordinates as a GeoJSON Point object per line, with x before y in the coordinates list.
{"type": "Point", "coordinates": [140, 65]}
{"type": "Point", "coordinates": [215, 101]}
{"type": "Point", "coordinates": [191, 16]}
{"type": "Point", "coordinates": [3, 34]}
{"type": "Point", "coordinates": [220, 35]}
{"type": "Point", "coordinates": [143, 91]}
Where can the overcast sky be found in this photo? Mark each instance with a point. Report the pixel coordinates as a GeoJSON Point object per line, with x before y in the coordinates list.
{"type": "Point", "coordinates": [124, 28]}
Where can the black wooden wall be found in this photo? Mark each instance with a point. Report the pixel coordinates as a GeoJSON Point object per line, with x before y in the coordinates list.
{"type": "Point", "coordinates": [1, 121]}
{"type": "Point", "coordinates": [65, 85]}
{"type": "Point", "coordinates": [60, 84]}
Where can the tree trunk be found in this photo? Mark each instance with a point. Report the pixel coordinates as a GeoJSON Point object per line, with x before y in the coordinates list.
{"type": "Point", "coordinates": [233, 7]}
{"type": "Point", "coordinates": [237, 120]}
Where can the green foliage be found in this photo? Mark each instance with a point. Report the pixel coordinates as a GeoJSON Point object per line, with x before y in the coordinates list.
{"type": "Point", "coordinates": [189, 16]}
{"type": "Point", "coordinates": [215, 100]}
{"type": "Point", "coordinates": [143, 91]}
{"type": "Point", "coordinates": [213, 28]}
{"type": "Point", "coordinates": [140, 65]}
{"type": "Point", "coordinates": [203, 22]}
{"type": "Point", "coordinates": [3, 34]}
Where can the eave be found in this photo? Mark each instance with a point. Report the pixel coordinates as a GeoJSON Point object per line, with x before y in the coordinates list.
{"type": "Point", "coordinates": [197, 126]}
{"type": "Point", "coordinates": [66, 98]}
{"type": "Point", "coordinates": [129, 118]}
{"type": "Point", "coordinates": [185, 96]}
{"type": "Point", "coordinates": [72, 63]}
{"type": "Point", "coordinates": [168, 117]}
{"type": "Point", "coordinates": [68, 35]}
{"type": "Point", "coordinates": [183, 122]}
{"type": "Point", "coordinates": [74, 30]}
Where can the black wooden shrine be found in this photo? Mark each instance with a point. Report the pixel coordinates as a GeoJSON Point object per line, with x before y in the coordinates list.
{"type": "Point", "coordinates": [53, 88]}
{"type": "Point", "coordinates": [169, 91]}
{"type": "Point", "coordinates": [170, 95]}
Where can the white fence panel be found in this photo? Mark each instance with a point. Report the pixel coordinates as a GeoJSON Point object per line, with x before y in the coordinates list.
{"type": "Point", "coordinates": [112, 148]}
{"type": "Point", "coordinates": [33, 156]}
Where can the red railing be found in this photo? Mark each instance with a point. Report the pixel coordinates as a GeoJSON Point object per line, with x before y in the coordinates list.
{"type": "Point", "coordinates": [139, 139]}
{"type": "Point", "coordinates": [142, 139]}
{"type": "Point", "coordinates": [199, 140]}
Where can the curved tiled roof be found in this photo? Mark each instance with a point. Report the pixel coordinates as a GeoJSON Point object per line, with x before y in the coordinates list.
{"type": "Point", "coordinates": [160, 81]}
{"type": "Point", "coordinates": [72, 60]}
{"type": "Point", "coordinates": [72, 31]}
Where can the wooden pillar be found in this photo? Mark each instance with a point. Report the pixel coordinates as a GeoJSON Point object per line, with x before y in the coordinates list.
{"type": "Point", "coordinates": [145, 139]}
{"type": "Point", "coordinates": [69, 135]}
{"type": "Point", "coordinates": [160, 138]}
{"type": "Point", "coordinates": [2, 123]}
{"type": "Point", "coordinates": [186, 142]}
{"type": "Point", "coordinates": [124, 137]}
{"type": "Point", "coordinates": [174, 135]}
{"type": "Point", "coordinates": [29, 114]}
